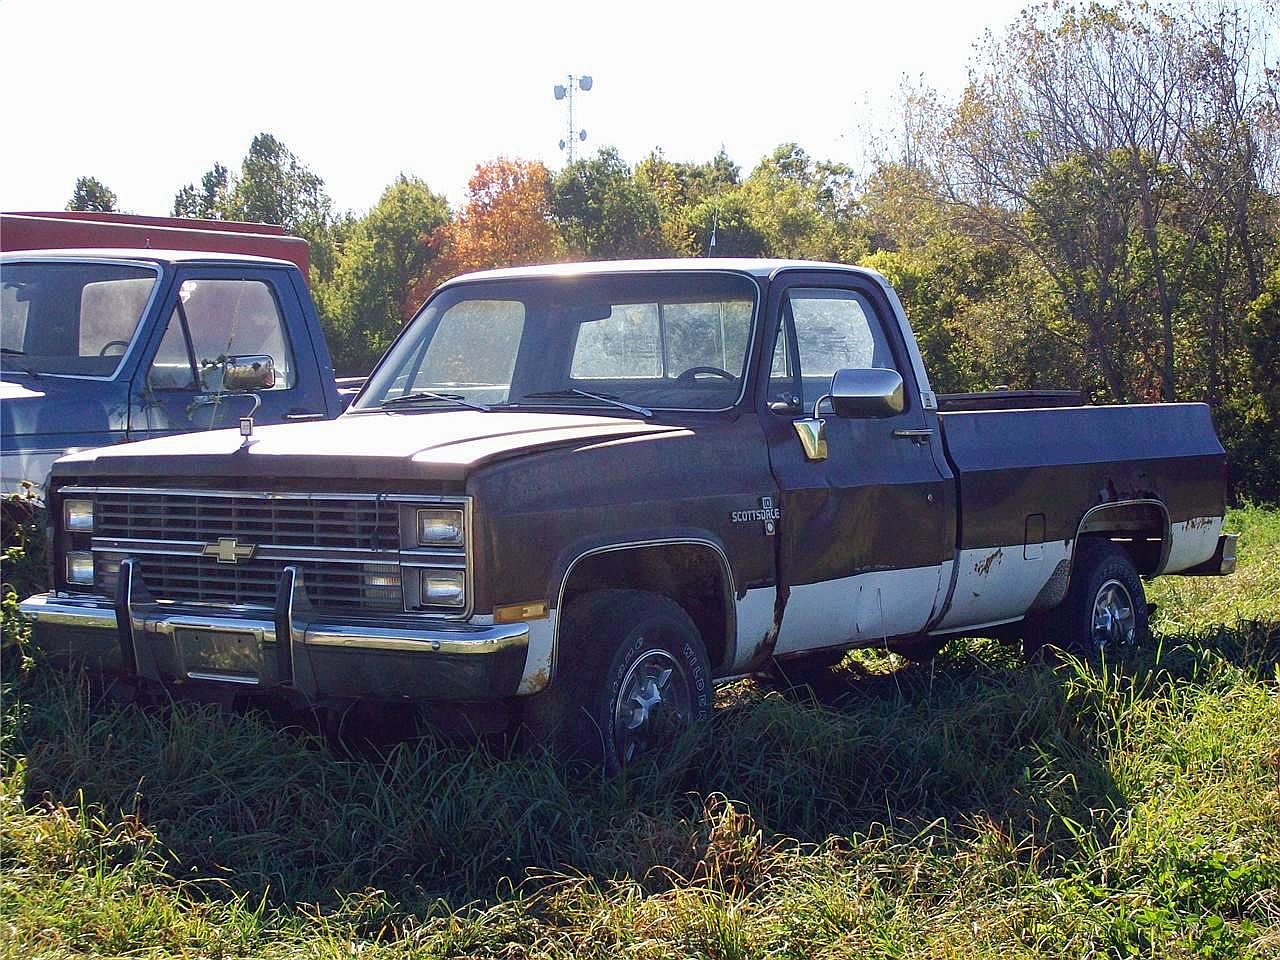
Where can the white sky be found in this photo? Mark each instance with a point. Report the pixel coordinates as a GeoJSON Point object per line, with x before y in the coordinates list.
{"type": "Point", "coordinates": [146, 96]}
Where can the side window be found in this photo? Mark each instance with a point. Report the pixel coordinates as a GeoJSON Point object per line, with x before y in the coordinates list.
{"type": "Point", "coordinates": [623, 344]}
{"type": "Point", "coordinates": [833, 330]}
{"type": "Point", "coordinates": [109, 312]}
{"type": "Point", "coordinates": [216, 319]}
{"type": "Point", "coordinates": [172, 368]}
{"type": "Point", "coordinates": [14, 309]}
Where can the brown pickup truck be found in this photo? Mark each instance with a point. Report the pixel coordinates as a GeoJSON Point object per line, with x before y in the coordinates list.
{"type": "Point", "coordinates": [582, 495]}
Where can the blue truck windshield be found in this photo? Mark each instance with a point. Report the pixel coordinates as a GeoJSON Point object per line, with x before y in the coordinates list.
{"type": "Point", "coordinates": [655, 342]}
{"type": "Point", "coordinates": [68, 318]}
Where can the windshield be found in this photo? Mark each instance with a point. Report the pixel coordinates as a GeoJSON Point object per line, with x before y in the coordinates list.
{"type": "Point", "coordinates": [632, 341]}
{"type": "Point", "coordinates": [70, 318]}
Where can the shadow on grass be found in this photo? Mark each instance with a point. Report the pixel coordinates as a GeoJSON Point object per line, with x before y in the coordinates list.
{"type": "Point", "coordinates": [272, 810]}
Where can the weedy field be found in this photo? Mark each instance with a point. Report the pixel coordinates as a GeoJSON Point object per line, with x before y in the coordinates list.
{"type": "Point", "coordinates": [971, 808]}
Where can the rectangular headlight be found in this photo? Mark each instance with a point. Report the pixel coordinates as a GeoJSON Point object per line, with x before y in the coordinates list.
{"type": "Point", "coordinates": [440, 527]}
{"type": "Point", "coordinates": [443, 588]}
{"type": "Point", "coordinates": [77, 516]}
{"type": "Point", "coordinates": [80, 567]}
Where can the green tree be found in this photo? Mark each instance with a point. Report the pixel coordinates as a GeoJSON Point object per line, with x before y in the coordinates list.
{"type": "Point", "coordinates": [689, 199]}
{"type": "Point", "coordinates": [603, 211]}
{"type": "Point", "coordinates": [804, 208]}
{"type": "Point", "coordinates": [1107, 143]}
{"type": "Point", "coordinates": [209, 200]}
{"type": "Point", "coordinates": [1249, 418]}
{"type": "Point", "coordinates": [980, 316]}
{"type": "Point", "coordinates": [383, 256]}
{"type": "Point", "coordinates": [92, 194]}
{"type": "Point", "coordinates": [723, 225]}
{"type": "Point", "coordinates": [272, 186]}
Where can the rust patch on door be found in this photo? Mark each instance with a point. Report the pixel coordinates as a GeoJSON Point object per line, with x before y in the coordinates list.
{"type": "Point", "coordinates": [983, 566]}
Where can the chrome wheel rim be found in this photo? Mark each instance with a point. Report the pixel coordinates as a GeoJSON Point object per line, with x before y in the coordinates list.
{"type": "Point", "coordinates": [1114, 621]}
{"type": "Point", "coordinates": [653, 705]}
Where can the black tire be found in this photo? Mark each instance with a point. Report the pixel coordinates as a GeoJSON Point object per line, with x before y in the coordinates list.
{"type": "Point", "coordinates": [632, 675]}
{"type": "Point", "coordinates": [1104, 614]}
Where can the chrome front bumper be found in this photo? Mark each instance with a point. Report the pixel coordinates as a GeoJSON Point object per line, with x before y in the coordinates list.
{"type": "Point", "coordinates": [295, 648]}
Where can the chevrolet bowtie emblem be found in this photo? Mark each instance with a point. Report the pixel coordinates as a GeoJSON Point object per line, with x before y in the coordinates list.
{"type": "Point", "coordinates": [227, 550]}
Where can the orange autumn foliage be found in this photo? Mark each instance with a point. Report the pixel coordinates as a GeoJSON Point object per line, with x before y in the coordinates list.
{"type": "Point", "coordinates": [506, 222]}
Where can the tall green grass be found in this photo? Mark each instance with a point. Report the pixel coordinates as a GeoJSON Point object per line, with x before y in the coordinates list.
{"type": "Point", "coordinates": [973, 807]}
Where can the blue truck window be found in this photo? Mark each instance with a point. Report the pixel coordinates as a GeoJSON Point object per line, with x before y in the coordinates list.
{"type": "Point", "coordinates": [215, 319]}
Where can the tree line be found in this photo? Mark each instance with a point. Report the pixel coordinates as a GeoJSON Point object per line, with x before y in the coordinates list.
{"type": "Point", "coordinates": [1099, 209]}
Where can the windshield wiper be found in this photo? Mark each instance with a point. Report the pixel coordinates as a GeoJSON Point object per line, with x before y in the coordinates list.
{"type": "Point", "coordinates": [429, 395]}
{"type": "Point", "coordinates": [602, 397]}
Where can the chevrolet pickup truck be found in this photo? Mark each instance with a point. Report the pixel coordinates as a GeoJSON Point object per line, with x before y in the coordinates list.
{"type": "Point", "coordinates": [580, 496]}
{"type": "Point", "coordinates": [120, 343]}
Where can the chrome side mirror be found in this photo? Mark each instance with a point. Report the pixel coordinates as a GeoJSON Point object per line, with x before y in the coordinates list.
{"type": "Point", "coordinates": [855, 393]}
{"type": "Point", "coordinates": [866, 392]}
{"type": "Point", "coordinates": [248, 374]}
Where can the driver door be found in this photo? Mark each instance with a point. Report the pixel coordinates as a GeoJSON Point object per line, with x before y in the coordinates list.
{"type": "Point", "coordinates": [210, 317]}
{"type": "Point", "coordinates": [864, 533]}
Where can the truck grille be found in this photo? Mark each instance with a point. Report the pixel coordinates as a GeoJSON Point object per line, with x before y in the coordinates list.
{"type": "Point", "coordinates": [371, 587]}
{"type": "Point", "coordinates": [370, 523]}
{"type": "Point", "coordinates": [346, 546]}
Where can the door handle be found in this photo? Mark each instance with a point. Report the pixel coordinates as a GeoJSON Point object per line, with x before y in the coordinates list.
{"type": "Point", "coordinates": [916, 436]}
{"type": "Point", "coordinates": [303, 415]}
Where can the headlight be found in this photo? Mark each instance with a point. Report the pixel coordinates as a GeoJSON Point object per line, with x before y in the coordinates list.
{"type": "Point", "coordinates": [77, 516]}
{"type": "Point", "coordinates": [80, 567]}
{"type": "Point", "coordinates": [440, 527]}
{"type": "Point", "coordinates": [443, 588]}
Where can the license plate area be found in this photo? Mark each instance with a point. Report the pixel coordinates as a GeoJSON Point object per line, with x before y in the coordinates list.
{"type": "Point", "coordinates": [228, 656]}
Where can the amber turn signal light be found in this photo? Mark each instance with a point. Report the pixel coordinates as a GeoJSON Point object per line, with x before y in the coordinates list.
{"type": "Point", "coordinates": [515, 612]}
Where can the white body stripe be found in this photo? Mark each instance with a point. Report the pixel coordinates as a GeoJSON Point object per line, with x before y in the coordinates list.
{"type": "Point", "coordinates": [862, 609]}
{"type": "Point", "coordinates": [537, 661]}
{"type": "Point", "coordinates": [995, 584]}
{"type": "Point", "coordinates": [1194, 541]}
{"type": "Point", "coordinates": [755, 620]}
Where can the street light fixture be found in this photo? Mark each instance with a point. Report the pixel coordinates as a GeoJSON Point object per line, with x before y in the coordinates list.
{"type": "Point", "coordinates": [564, 91]}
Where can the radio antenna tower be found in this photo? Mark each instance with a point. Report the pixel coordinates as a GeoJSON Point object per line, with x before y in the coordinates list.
{"type": "Point", "coordinates": [564, 91]}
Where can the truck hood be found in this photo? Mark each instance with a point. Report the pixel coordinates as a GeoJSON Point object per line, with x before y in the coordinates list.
{"type": "Point", "coordinates": [439, 444]}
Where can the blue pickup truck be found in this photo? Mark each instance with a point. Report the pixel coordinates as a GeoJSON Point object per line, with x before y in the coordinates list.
{"type": "Point", "coordinates": [113, 345]}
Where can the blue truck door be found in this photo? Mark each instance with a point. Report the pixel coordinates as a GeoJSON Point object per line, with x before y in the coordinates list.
{"type": "Point", "coordinates": [213, 313]}
{"type": "Point", "coordinates": [864, 534]}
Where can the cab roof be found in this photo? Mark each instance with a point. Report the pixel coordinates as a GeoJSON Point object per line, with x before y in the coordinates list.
{"type": "Point", "coordinates": [757, 267]}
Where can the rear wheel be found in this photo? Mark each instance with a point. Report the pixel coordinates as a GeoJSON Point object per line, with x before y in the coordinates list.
{"type": "Point", "coordinates": [632, 676]}
{"type": "Point", "coordinates": [1104, 614]}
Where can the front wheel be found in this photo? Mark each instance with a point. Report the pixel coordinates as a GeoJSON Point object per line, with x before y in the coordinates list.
{"type": "Point", "coordinates": [1104, 614]}
{"type": "Point", "coordinates": [632, 676]}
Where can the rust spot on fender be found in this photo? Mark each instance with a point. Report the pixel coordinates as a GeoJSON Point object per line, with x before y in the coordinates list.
{"type": "Point", "coordinates": [983, 566]}
{"type": "Point", "coordinates": [538, 680]}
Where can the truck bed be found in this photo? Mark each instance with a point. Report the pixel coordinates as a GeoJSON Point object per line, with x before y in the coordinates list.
{"type": "Point", "coordinates": [1027, 479]}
